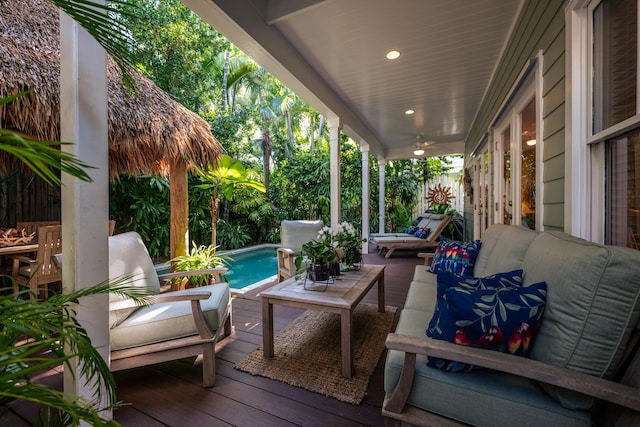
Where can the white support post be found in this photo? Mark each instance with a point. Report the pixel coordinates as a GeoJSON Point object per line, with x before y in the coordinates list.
{"type": "Point", "coordinates": [366, 183]}
{"type": "Point", "coordinates": [381, 174]}
{"type": "Point", "coordinates": [85, 205]}
{"type": "Point", "coordinates": [334, 157]}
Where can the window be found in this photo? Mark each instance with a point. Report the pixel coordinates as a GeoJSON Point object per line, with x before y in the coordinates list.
{"type": "Point", "coordinates": [615, 120]}
{"type": "Point", "coordinates": [623, 155]}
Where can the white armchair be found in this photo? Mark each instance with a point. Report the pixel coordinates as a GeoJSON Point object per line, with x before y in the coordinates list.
{"type": "Point", "coordinates": [175, 325]}
{"type": "Point", "coordinates": [294, 234]}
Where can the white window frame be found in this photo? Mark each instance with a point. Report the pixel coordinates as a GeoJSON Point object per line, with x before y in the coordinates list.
{"type": "Point", "coordinates": [585, 152]}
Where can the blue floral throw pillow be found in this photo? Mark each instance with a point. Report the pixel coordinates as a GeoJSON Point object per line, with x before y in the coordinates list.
{"type": "Point", "coordinates": [503, 319]}
{"type": "Point", "coordinates": [411, 229]}
{"type": "Point", "coordinates": [446, 280]}
{"type": "Point", "coordinates": [423, 232]}
{"type": "Point", "coordinates": [455, 257]}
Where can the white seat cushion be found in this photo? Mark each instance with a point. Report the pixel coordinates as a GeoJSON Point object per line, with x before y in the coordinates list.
{"type": "Point", "coordinates": [165, 321]}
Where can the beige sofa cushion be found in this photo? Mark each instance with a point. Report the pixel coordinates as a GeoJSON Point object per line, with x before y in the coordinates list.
{"type": "Point", "coordinates": [503, 249]}
{"type": "Point", "coordinates": [593, 303]}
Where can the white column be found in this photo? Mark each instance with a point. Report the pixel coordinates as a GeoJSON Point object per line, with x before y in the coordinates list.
{"type": "Point", "coordinates": [85, 205]}
{"type": "Point", "coordinates": [381, 174]}
{"type": "Point", "coordinates": [334, 157]}
{"type": "Point", "coordinates": [366, 184]}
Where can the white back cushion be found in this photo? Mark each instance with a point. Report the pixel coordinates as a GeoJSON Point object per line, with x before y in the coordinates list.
{"type": "Point", "coordinates": [128, 255]}
{"type": "Point", "coordinates": [294, 234]}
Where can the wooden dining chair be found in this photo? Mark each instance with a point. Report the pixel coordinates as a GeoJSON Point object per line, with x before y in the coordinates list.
{"type": "Point", "coordinates": [38, 272]}
{"type": "Point", "coordinates": [32, 226]}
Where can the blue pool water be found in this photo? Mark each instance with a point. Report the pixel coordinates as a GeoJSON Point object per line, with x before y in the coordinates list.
{"type": "Point", "coordinates": [250, 265]}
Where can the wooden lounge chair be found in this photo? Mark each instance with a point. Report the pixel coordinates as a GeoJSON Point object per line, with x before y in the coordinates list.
{"type": "Point", "coordinates": [388, 245]}
{"type": "Point", "coordinates": [423, 220]}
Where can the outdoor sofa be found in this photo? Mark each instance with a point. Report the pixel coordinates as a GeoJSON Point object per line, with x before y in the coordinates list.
{"type": "Point", "coordinates": [585, 349]}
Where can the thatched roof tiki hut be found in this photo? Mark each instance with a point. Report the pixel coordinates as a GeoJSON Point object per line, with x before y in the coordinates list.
{"type": "Point", "coordinates": [149, 133]}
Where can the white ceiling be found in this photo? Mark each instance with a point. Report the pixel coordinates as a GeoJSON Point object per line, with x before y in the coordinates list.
{"type": "Point", "coordinates": [332, 54]}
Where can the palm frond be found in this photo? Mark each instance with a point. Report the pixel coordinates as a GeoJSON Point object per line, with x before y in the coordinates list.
{"type": "Point", "coordinates": [99, 21]}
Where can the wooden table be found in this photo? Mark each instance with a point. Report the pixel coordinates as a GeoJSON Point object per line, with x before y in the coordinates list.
{"type": "Point", "coordinates": [340, 297]}
{"type": "Point", "coordinates": [18, 249]}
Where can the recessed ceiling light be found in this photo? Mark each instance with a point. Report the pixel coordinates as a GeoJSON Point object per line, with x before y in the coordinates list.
{"type": "Point", "coordinates": [393, 54]}
{"type": "Point", "coordinates": [409, 112]}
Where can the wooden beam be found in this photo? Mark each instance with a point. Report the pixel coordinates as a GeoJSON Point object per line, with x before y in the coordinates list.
{"type": "Point", "coordinates": [179, 232]}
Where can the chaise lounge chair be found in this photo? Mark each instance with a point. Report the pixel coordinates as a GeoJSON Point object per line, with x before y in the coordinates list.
{"type": "Point", "coordinates": [423, 221]}
{"type": "Point", "coordinates": [388, 244]}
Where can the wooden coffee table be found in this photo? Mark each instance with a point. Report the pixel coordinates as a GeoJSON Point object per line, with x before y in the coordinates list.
{"type": "Point", "coordinates": [340, 297]}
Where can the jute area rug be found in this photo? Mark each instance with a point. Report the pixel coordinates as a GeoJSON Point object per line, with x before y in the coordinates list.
{"type": "Point", "coordinates": [307, 353]}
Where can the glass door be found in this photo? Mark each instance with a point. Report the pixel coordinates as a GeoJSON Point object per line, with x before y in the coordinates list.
{"type": "Point", "coordinates": [528, 158]}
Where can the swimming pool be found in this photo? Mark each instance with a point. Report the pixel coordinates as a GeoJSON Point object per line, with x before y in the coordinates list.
{"type": "Point", "coordinates": [251, 267]}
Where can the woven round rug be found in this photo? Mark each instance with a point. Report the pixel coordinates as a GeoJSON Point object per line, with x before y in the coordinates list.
{"type": "Point", "coordinates": [307, 353]}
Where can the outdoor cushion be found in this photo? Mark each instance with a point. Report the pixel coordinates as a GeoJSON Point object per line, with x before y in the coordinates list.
{"type": "Point", "coordinates": [592, 306]}
{"type": "Point", "coordinates": [422, 233]}
{"type": "Point", "coordinates": [412, 229]}
{"type": "Point", "coordinates": [169, 320]}
{"type": "Point", "coordinates": [500, 317]}
{"type": "Point", "coordinates": [295, 233]}
{"type": "Point", "coordinates": [503, 249]}
{"type": "Point", "coordinates": [456, 257]}
{"type": "Point", "coordinates": [446, 279]}
{"type": "Point", "coordinates": [128, 255]}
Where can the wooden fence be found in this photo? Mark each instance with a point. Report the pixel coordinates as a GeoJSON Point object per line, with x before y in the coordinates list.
{"type": "Point", "coordinates": [27, 198]}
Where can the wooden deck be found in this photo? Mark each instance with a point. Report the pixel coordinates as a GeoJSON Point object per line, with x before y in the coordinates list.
{"type": "Point", "coordinates": [170, 394]}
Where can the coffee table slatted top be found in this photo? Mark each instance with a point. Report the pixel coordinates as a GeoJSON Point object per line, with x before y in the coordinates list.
{"type": "Point", "coordinates": [345, 292]}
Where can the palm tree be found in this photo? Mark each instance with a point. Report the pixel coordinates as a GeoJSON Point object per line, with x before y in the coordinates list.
{"type": "Point", "coordinates": [227, 175]}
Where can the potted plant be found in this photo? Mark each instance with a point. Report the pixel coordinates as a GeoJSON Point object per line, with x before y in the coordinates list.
{"type": "Point", "coordinates": [200, 258]}
{"type": "Point", "coordinates": [346, 237]}
{"type": "Point", "coordinates": [316, 256]}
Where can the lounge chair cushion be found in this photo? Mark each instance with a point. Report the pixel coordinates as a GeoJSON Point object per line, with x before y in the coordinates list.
{"type": "Point", "coordinates": [456, 257]}
{"type": "Point", "coordinates": [165, 321]}
{"type": "Point", "coordinates": [128, 255]}
{"type": "Point", "coordinates": [592, 306]}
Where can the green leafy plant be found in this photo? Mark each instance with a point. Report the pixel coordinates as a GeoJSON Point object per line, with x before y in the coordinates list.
{"type": "Point", "coordinates": [225, 177]}
{"type": "Point", "coordinates": [37, 335]}
{"type": "Point", "coordinates": [200, 258]}
{"type": "Point", "coordinates": [441, 208]}
{"type": "Point", "coordinates": [322, 250]}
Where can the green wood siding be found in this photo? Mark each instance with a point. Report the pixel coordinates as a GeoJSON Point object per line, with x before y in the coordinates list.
{"type": "Point", "coordinates": [540, 27]}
